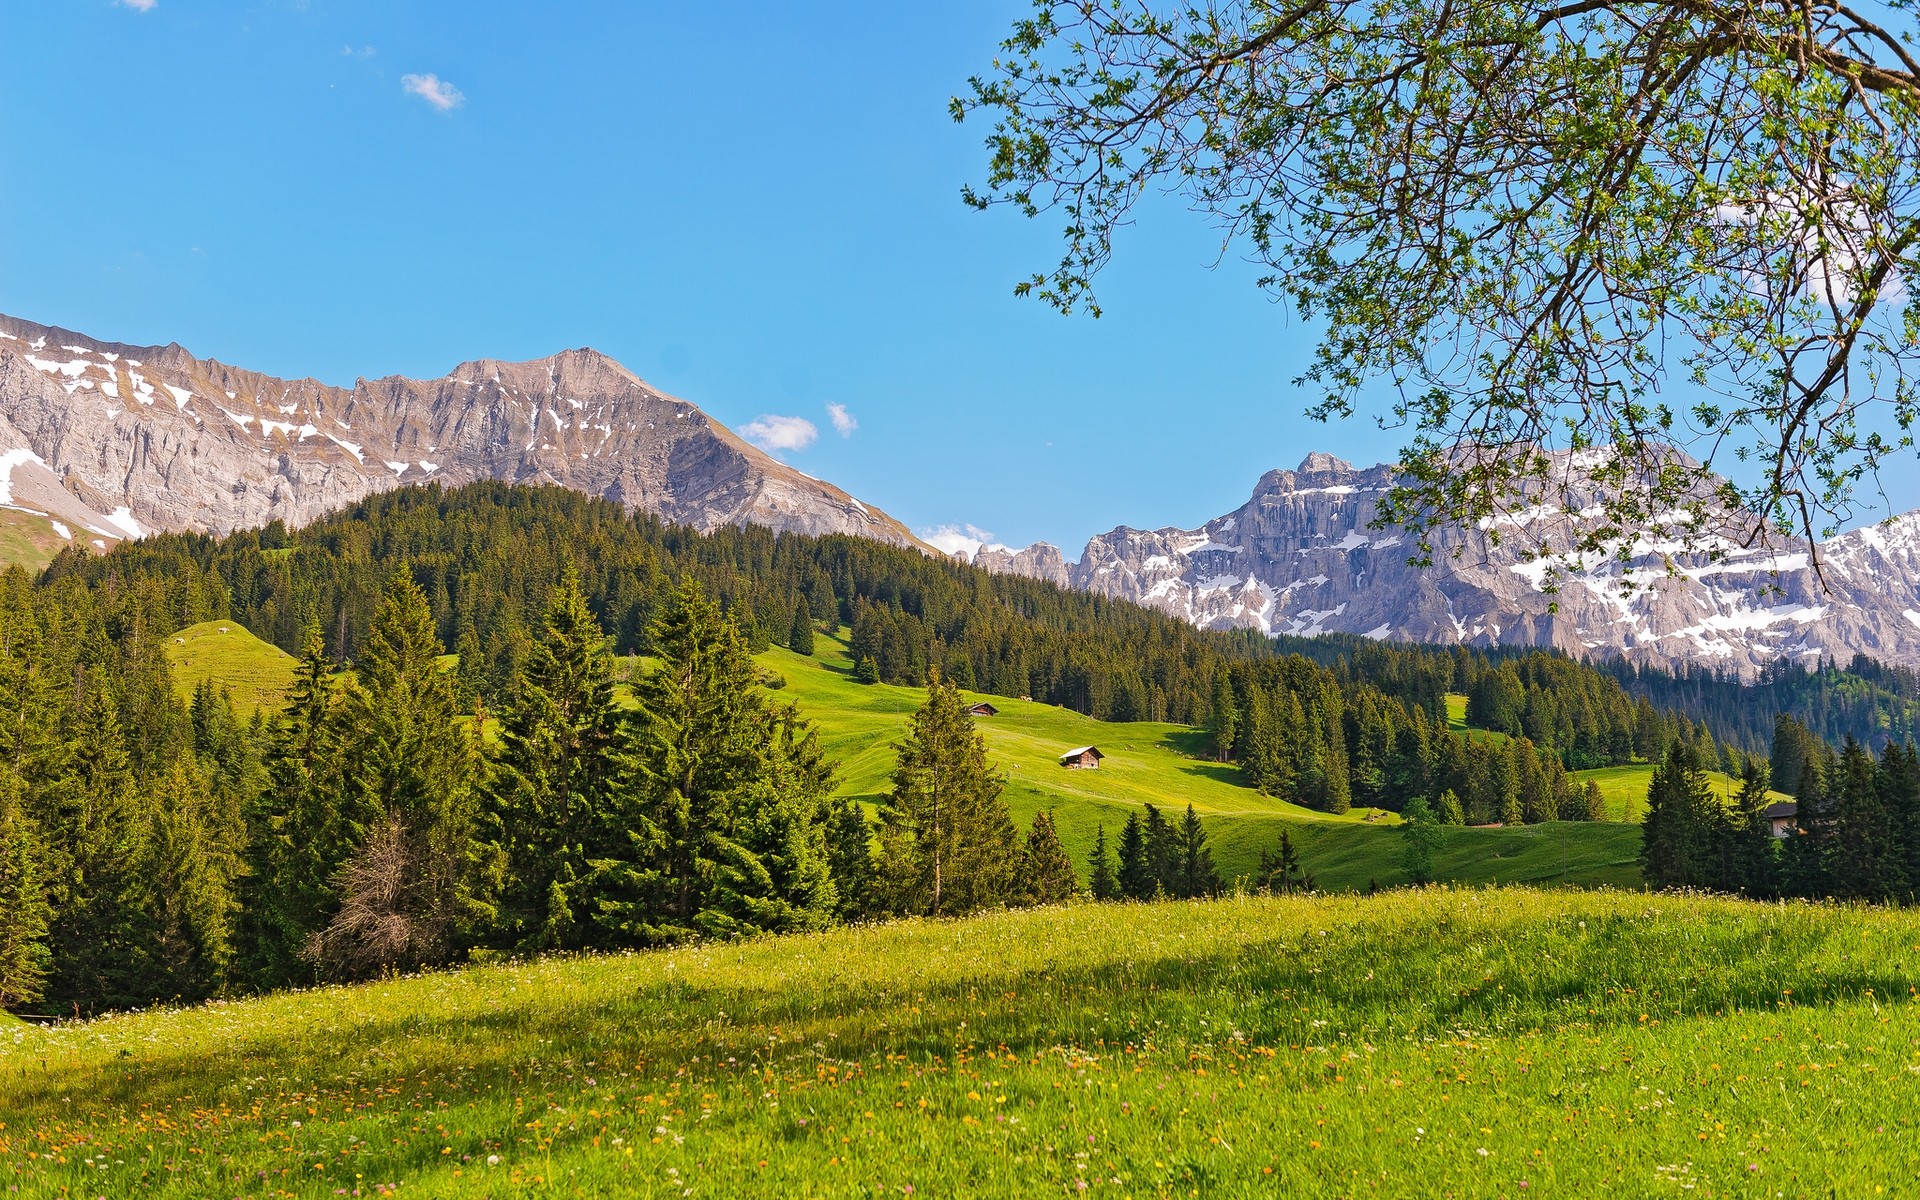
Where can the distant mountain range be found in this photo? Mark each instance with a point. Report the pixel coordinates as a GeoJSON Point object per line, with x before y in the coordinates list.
{"type": "Point", "coordinates": [106, 441]}
{"type": "Point", "coordinates": [103, 441]}
{"type": "Point", "coordinates": [1299, 557]}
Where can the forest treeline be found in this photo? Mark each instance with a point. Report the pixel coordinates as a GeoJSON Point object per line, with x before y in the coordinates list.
{"type": "Point", "coordinates": [1853, 832]}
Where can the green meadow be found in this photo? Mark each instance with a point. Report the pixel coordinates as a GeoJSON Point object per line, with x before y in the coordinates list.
{"type": "Point", "coordinates": [1147, 763]}
{"type": "Point", "coordinates": [1480, 1043]}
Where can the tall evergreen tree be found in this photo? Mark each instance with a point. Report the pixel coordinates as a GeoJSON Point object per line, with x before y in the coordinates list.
{"type": "Point", "coordinates": [800, 631]}
{"type": "Point", "coordinates": [948, 844]}
{"type": "Point", "coordinates": [736, 791]}
{"type": "Point", "coordinates": [24, 956]}
{"type": "Point", "coordinates": [562, 813]}
{"type": "Point", "coordinates": [1163, 855]}
{"type": "Point", "coordinates": [1137, 880]}
{"type": "Point", "coordinates": [1047, 872]}
{"type": "Point", "coordinates": [409, 770]}
{"type": "Point", "coordinates": [1223, 716]}
{"type": "Point", "coordinates": [850, 859]}
{"type": "Point", "coordinates": [1676, 834]}
{"type": "Point", "coordinates": [1102, 883]}
{"type": "Point", "coordinates": [1194, 872]}
{"type": "Point", "coordinates": [1281, 872]}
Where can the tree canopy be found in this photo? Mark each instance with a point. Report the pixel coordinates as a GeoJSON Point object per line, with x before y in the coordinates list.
{"type": "Point", "coordinates": [1589, 249]}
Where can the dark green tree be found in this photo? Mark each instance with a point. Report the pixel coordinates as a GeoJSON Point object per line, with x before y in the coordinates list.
{"type": "Point", "coordinates": [800, 633]}
{"type": "Point", "coordinates": [1047, 872]}
{"type": "Point", "coordinates": [948, 845]}
{"type": "Point", "coordinates": [1137, 880]}
{"type": "Point", "coordinates": [1102, 883]}
{"type": "Point", "coordinates": [1281, 872]}
{"type": "Point", "coordinates": [1194, 871]}
{"type": "Point", "coordinates": [1676, 836]}
{"type": "Point", "coordinates": [24, 956]}
{"type": "Point", "coordinates": [850, 858]}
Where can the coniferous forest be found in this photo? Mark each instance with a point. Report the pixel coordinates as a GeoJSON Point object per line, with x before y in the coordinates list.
{"type": "Point", "coordinates": [605, 767]}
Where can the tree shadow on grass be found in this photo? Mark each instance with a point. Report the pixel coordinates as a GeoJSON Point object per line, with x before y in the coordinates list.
{"type": "Point", "coordinates": [1295, 988]}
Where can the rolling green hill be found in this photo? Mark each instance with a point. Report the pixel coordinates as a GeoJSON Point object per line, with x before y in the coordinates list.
{"type": "Point", "coordinates": [1499, 1043]}
{"type": "Point", "coordinates": [28, 539]}
{"type": "Point", "coordinates": [1147, 763]}
{"type": "Point", "coordinates": [257, 673]}
{"type": "Point", "coordinates": [1624, 789]}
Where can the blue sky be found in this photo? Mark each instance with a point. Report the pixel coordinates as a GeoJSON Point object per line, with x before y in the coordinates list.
{"type": "Point", "coordinates": [753, 206]}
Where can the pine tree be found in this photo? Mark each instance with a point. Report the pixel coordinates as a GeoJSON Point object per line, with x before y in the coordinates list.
{"type": "Point", "coordinates": [1676, 834]}
{"type": "Point", "coordinates": [1137, 880]}
{"type": "Point", "coordinates": [409, 770]}
{"type": "Point", "coordinates": [562, 816]}
{"type": "Point", "coordinates": [1753, 869]}
{"type": "Point", "coordinates": [1448, 811]}
{"type": "Point", "coordinates": [850, 857]}
{"type": "Point", "coordinates": [1593, 802]}
{"type": "Point", "coordinates": [1163, 856]}
{"type": "Point", "coordinates": [1047, 871]}
{"type": "Point", "coordinates": [736, 791]}
{"type": "Point", "coordinates": [1102, 883]}
{"type": "Point", "coordinates": [1195, 874]}
{"type": "Point", "coordinates": [865, 670]}
{"type": "Point", "coordinates": [1420, 831]}
{"type": "Point", "coordinates": [24, 956]}
{"type": "Point", "coordinates": [1282, 873]}
{"type": "Point", "coordinates": [1223, 717]}
{"type": "Point", "coordinates": [949, 845]}
{"type": "Point", "coordinates": [800, 633]}
{"type": "Point", "coordinates": [1870, 864]}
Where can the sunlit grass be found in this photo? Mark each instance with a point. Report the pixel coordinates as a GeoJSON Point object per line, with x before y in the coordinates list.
{"type": "Point", "coordinates": [1459, 1043]}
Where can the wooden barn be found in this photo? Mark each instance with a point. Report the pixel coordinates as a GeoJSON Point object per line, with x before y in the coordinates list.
{"type": "Point", "coordinates": [982, 709]}
{"type": "Point", "coordinates": [1085, 758]}
{"type": "Point", "coordinates": [1781, 817]}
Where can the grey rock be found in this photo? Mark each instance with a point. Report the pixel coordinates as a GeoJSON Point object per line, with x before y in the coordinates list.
{"type": "Point", "coordinates": [183, 443]}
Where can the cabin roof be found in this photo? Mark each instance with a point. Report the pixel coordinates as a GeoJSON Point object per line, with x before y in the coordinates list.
{"type": "Point", "coordinates": [1077, 751]}
{"type": "Point", "coordinates": [1779, 809]}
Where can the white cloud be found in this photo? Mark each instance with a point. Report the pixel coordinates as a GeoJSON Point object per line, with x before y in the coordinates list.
{"type": "Point", "coordinates": [843, 422]}
{"type": "Point", "coordinates": [364, 52]}
{"type": "Point", "coordinates": [771, 432]}
{"type": "Point", "coordinates": [434, 90]}
{"type": "Point", "coordinates": [141, 5]}
{"type": "Point", "coordinates": [959, 539]}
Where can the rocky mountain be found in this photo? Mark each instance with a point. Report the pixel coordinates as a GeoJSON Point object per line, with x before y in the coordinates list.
{"type": "Point", "coordinates": [1300, 557]}
{"type": "Point", "coordinates": [107, 441]}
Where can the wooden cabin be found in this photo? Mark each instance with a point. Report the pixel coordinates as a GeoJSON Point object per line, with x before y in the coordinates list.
{"type": "Point", "coordinates": [982, 709]}
{"type": "Point", "coordinates": [1781, 817]}
{"type": "Point", "coordinates": [1085, 758]}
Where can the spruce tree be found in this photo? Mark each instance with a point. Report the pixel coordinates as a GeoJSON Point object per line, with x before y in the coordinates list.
{"type": "Point", "coordinates": [1449, 812]}
{"type": "Point", "coordinates": [24, 956]}
{"type": "Point", "coordinates": [949, 845]}
{"type": "Point", "coordinates": [1676, 834]}
{"type": "Point", "coordinates": [736, 791]}
{"type": "Point", "coordinates": [1163, 855]}
{"type": "Point", "coordinates": [1281, 872]}
{"type": "Point", "coordinates": [1754, 844]}
{"type": "Point", "coordinates": [850, 858]}
{"type": "Point", "coordinates": [1137, 880]}
{"type": "Point", "coordinates": [561, 803]}
{"type": "Point", "coordinates": [1420, 833]}
{"type": "Point", "coordinates": [409, 770]}
{"type": "Point", "coordinates": [800, 633]}
{"type": "Point", "coordinates": [1195, 873]}
{"type": "Point", "coordinates": [1047, 872]}
{"type": "Point", "coordinates": [1223, 717]}
{"type": "Point", "coordinates": [1102, 883]}
{"type": "Point", "coordinates": [1869, 863]}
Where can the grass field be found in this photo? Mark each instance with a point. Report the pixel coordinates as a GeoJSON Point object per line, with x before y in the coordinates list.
{"type": "Point", "coordinates": [1624, 789]}
{"type": "Point", "coordinates": [28, 539]}
{"type": "Point", "coordinates": [1494, 1043]}
{"type": "Point", "coordinates": [257, 673]}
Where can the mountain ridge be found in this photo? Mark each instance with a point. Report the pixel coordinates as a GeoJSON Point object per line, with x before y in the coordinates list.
{"type": "Point", "coordinates": [121, 439]}
{"type": "Point", "coordinates": [1301, 557]}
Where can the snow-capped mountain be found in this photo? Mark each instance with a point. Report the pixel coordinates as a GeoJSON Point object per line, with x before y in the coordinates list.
{"type": "Point", "coordinates": [108, 440]}
{"type": "Point", "coordinates": [1299, 557]}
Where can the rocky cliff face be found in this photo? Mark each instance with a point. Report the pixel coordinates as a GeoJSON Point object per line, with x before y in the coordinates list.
{"type": "Point", "coordinates": [124, 439]}
{"type": "Point", "coordinates": [1300, 558]}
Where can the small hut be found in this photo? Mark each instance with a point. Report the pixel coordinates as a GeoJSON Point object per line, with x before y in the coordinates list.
{"type": "Point", "coordinates": [982, 709]}
{"type": "Point", "coordinates": [1780, 818]}
{"type": "Point", "coordinates": [1084, 758]}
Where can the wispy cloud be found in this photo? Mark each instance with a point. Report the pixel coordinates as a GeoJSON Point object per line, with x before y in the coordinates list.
{"type": "Point", "coordinates": [771, 432]}
{"type": "Point", "coordinates": [141, 5]}
{"type": "Point", "coordinates": [958, 539]}
{"type": "Point", "coordinates": [434, 90]}
{"type": "Point", "coordinates": [360, 52]}
{"type": "Point", "coordinates": [843, 422]}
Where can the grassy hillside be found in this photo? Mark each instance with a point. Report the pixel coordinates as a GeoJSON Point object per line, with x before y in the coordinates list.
{"type": "Point", "coordinates": [1624, 789]}
{"type": "Point", "coordinates": [28, 539]}
{"type": "Point", "coordinates": [1474, 1044]}
{"type": "Point", "coordinates": [258, 673]}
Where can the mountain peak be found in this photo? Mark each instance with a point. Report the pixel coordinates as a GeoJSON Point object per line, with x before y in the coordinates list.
{"type": "Point", "coordinates": [1321, 463]}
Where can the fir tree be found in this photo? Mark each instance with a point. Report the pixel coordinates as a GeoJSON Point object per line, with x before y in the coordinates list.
{"type": "Point", "coordinates": [1047, 871]}
{"type": "Point", "coordinates": [1420, 833]}
{"type": "Point", "coordinates": [850, 858]}
{"type": "Point", "coordinates": [948, 845]}
{"type": "Point", "coordinates": [561, 802]}
{"type": "Point", "coordinates": [1163, 855]}
{"type": "Point", "coordinates": [1195, 874]}
{"type": "Point", "coordinates": [1675, 836]}
{"type": "Point", "coordinates": [1281, 872]}
{"type": "Point", "coordinates": [736, 791]}
{"type": "Point", "coordinates": [409, 769]}
{"type": "Point", "coordinates": [1102, 883]}
{"type": "Point", "coordinates": [1753, 870]}
{"type": "Point", "coordinates": [24, 956]}
{"type": "Point", "coordinates": [1223, 717]}
{"type": "Point", "coordinates": [1136, 879]}
{"type": "Point", "coordinates": [800, 633]}
{"type": "Point", "coordinates": [1448, 810]}
{"type": "Point", "coordinates": [865, 670]}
